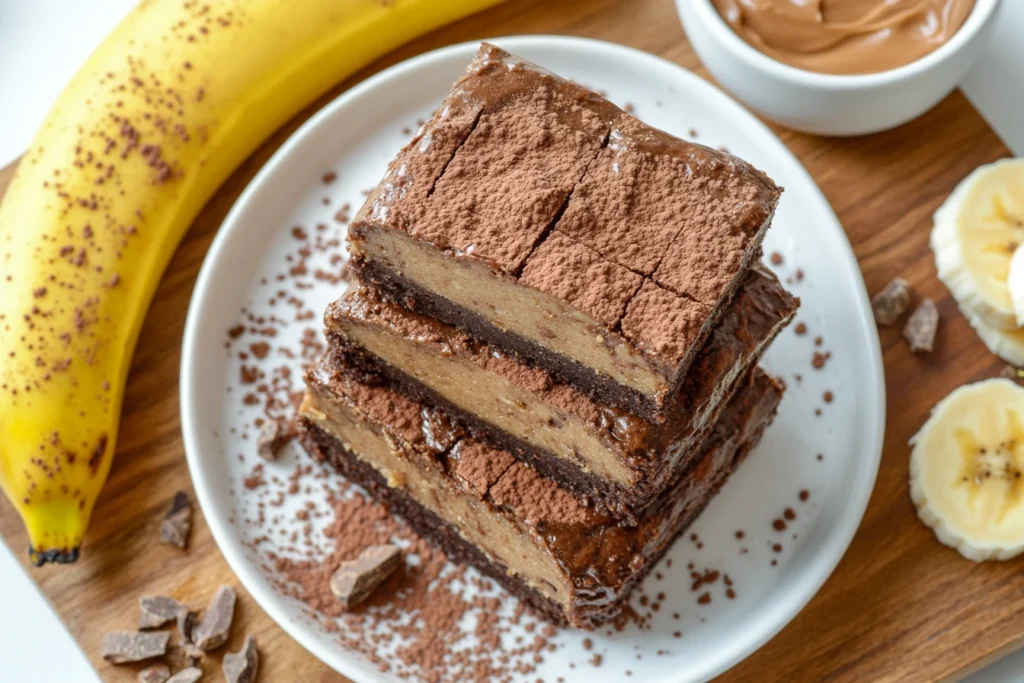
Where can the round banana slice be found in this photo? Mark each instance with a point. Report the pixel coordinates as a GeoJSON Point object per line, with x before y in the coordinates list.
{"type": "Point", "coordinates": [967, 470]}
{"type": "Point", "coordinates": [1007, 344]}
{"type": "Point", "coordinates": [976, 232]}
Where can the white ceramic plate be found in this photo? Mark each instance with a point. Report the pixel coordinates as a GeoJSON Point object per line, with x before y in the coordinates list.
{"type": "Point", "coordinates": [355, 136]}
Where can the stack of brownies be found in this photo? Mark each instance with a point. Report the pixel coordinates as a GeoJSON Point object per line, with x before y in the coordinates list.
{"type": "Point", "coordinates": [548, 362]}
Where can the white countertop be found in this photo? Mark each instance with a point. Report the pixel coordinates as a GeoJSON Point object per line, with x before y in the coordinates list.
{"type": "Point", "coordinates": [38, 54]}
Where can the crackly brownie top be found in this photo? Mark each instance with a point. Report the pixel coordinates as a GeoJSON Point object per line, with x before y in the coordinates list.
{"type": "Point", "coordinates": [576, 534]}
{"type": "Point", "coordinates": [759, 309]}
{"type": "Point", "coordinates": [549, 182]}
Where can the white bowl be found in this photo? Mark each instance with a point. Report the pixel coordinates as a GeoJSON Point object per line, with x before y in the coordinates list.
{"type": "Point", "coordinates": [829, 104]}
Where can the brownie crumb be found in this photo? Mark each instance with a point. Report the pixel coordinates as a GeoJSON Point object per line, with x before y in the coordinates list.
{"type": "Point", "coordinates": [776, 258]}
{"type": "Point", "coordinates": [890, 303]}
{"type": "Point", "coordinates": [804, 493]}
{"type": "Point", "coordinates": [329, 177]}
{"type": "Point", "coordinates": [921, 326]}
{"type": "Point", "coordinates": [174, 528]}
{"type": "Point", "coordinates": [827, 397]}
{"type": "Point", "coordinates": [800, 329]}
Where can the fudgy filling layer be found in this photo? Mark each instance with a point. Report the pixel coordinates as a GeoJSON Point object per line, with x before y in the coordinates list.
{"type": "Point", "coordinates": [556, 546]}
{"type": "Point", "coordinates": [563, 228]}
{"type": "Point", "coordinates": [593, 449]}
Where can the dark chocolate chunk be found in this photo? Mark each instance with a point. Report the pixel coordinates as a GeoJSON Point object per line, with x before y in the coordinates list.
{"type": "Point", "coordinates": [356, 579]}
{"type": "Point", "coordinates": [122, 647]}
{"type": "Point", "coordinates": [184, 656]}
{"type": "Point", "coordinates": [242, 666]}
{"type": "Point", "coordinates": [186, 623]}
{"type": "Point", "coordinates": [157, 610]}
{"type": "Point", "coordinates": [920, 328]}
{"type": "Point", "coordinates": [176, 525]}
{"type": "Point", "coordinates": [212, 631]}
{"type": "Point", "coordinates": [158, 673]}
{"type": "Point", "coordinates": [889, 304]}
{"type": "Point", "coordinates": [189, 675]}
{"type": "Point", "coordinates": [273, 437]}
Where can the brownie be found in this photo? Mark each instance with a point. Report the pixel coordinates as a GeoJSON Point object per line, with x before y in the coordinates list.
{"type": "Point", "coordinates": [537, 216]}
{"type": "Point", "coordinates": [616, 460]}
{"type": "Point", "coordinates": [484, 507]}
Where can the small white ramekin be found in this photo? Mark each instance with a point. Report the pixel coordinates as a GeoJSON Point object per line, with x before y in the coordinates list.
{"type": "Point", "coordinates": [828, 104]}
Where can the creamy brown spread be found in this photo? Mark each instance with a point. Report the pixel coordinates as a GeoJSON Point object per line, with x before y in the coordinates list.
{"type": "Point", "coordinates": [845, 36]}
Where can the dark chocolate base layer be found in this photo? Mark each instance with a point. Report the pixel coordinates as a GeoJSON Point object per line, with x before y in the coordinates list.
{"type": "Point", "coordinates": [629, 505]}
{"type": "Point", "coordinates": [601, 387]}
{"type": "Point", "coordinates": [325, 448]}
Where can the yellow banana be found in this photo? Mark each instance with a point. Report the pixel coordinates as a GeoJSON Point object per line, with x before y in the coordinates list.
{"type": "Point", "coordinates": [160, 114]}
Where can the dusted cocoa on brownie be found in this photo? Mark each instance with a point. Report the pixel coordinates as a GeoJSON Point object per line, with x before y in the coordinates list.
{"type": "Point", "coordinates": [617, 460]}
{"type": "Point", "coordinates": [484, 507]}
{"type": "Point", "coordinates": [541, 218]}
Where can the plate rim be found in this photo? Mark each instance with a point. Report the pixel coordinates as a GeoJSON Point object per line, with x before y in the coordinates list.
{"type": "Point", "coordinates": [834, 549]}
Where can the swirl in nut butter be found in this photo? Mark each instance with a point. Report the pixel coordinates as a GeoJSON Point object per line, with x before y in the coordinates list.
{"type": "Point", "coordinates": [845, 36]}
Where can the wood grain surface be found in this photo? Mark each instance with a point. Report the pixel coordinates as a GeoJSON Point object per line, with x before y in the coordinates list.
{"type": "Point", "coordinates": [899, 607]}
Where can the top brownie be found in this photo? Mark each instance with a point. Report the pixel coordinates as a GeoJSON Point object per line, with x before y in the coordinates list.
{"type": "Point", "coordinates": [543, 219]}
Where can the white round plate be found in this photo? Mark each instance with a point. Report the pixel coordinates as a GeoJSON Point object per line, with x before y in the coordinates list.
{"type": "Point", "coordinates": [828, 449]}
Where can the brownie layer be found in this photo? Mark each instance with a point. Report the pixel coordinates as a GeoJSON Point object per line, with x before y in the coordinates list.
{"type": "Point", "coordinates": [545, 220]}
{"type": "Point", "coordinates": [563, 556]}
{"type": "Point", "coordinates": [618, 461]}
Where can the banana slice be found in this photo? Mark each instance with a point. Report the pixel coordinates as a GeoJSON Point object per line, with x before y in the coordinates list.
{"type": "Point", "coordinates": [976, 232]}
{"type": "Point", "coordinates": [1007, 344]}
{"type": "Point", "coordinates": [967, 470]}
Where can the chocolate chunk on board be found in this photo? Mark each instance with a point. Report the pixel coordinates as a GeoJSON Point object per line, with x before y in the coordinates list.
{"type": "Point", "coordinates": [189, 675]}
{"type": "Point", "coordinates": [157, 610]}
{"type": "Point", "coordinates": [213, 630]}
{"type": "Point", "coordinates": [356, 579]}
{"type": "Point", "coordinates": [889, 304]}
{"type": "Point", "coordinates": [158, 673]}
{"type": "Point", "coordinates": [122, 647]}
{"type": "Point", "coordinates": [273, 437]}
{"type": "Point", "coordinates": [176, 525]}
{"type": "Point", "coordinates": [921, 326]}
{"type": "Point", "coordinates": [242, 666]}
{"type": "Point", "coordinates": [186, 624]}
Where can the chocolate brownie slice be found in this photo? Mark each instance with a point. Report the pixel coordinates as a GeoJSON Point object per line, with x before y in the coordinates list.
{"type": "Point", "coordinates": [484, 507]}
{"type": "Point", "coordinates": [539, 217]}
{"type": "Point", "coordinates": [617, 460]}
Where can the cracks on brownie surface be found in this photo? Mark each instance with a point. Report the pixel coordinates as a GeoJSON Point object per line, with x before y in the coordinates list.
{"type": "Point", "coordinates": [444, 169]}
{"type": "Point", "coordinates": [553, 223]}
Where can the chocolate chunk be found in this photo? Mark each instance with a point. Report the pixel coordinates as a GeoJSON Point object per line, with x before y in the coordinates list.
{"type": "Point", "coordinates": [189, 675]}
{"type": "Point", "coordinates": [184, 656]}
{"type": "Point", "coordinates": [157, 610]}
{"type": "Point", "coordinates": [356, 579]}
{"type": "Point", "coordinates": [242, 666]}
{"type": "Point", "coordinates": [212, 631]}
{"type": "Point", "coordinates": [158, 673]}
{"type": "Point", "coordinates": [176, 525]}
{"type": "Point", "coordinates": [121, 647]}
{"type": "Point", "coordinates": [186, 623]}
{"type": "Point", "coordinates": [889, 304]}
{"type": "Point", "coordinates": [920, 328]}
{"type": "Point", "coordinates": [273, 437]}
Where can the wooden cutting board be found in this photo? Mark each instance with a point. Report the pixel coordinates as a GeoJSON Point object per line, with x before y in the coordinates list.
{"type": "Point", "coordinates": [899, 606]}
